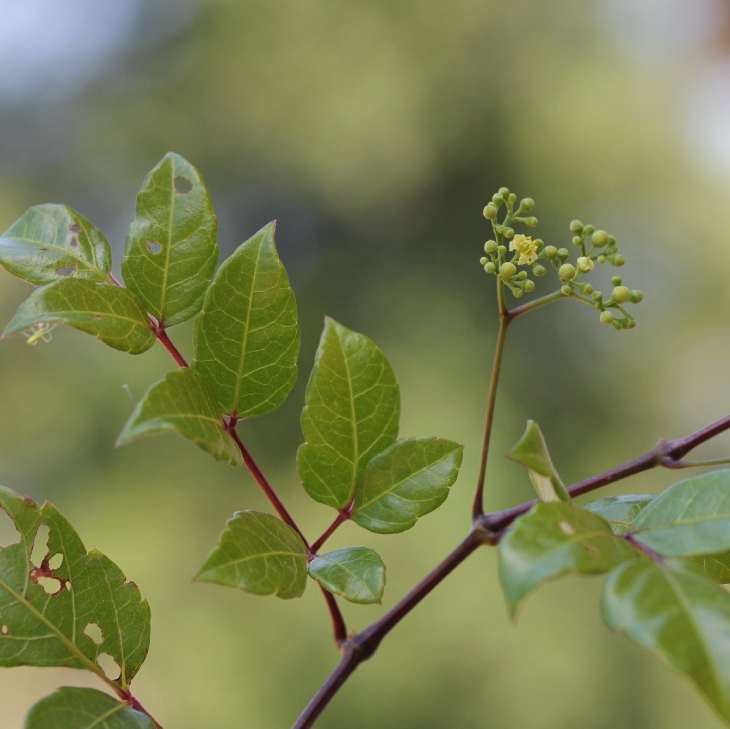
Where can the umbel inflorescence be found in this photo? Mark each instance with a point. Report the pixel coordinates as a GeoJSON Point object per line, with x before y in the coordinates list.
{"type": "Point", "coordinates": [512, 257]}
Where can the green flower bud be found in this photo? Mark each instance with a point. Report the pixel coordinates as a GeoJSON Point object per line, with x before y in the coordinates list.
{"type": "Point", "coordinates": [636, 297]}
{"type": "Point", "coordinates": [512, 198]}
{"type": "Point", "coordinates": [566, 290]}
{"type": "Point", "coordinates": [499, 229]}
{"type": "Point", "coordinates": [484, 260]}
{"type": "Point", "coordinates": [616, 280]}
{"type": "Point", "coordinates": [577, 240]}
{"type": "Point", "coordinates": [539, 242]}
{"type": "Point", "coordinates": [490, 246]}
{"type": "Point", "coordinates": [497, 199]}
{"type": "Point", "coordinates": [566, 271]}
{"type": "Point", "coordinates": [596, 296]}
{"type": "Point", "coordinates": [618, 260]}
{"type": "Point", "coordinates": [630, 324]}
{"type": "Point", "coordinates": [620, 294]}
{"type": "Point", "coordinates": [586, 289]}
{"type": "Point", "coordinates": [562, 254]}
{"type": "Point", "coordinates": [606, 317]}
{"type": "Point", "coordinates": [551, 251]}
{"type": "Point", "coordinates": [504, 192]}
{"type": "Point", "coordinates": [517, 293]}
{"type": "Point", "coordinates": [508, 232]}
{"type": "Point", "coordinates": [588, 230]}
{"type": "Point", "coordinates": [601, 259]}
{"type": "Point", "coordinates": [521, 275]}
{"type": "Point", "coordinates": [490, 212]}
{"type": "Point", "coordinates": [507, 270]}
{"type": "Point", "coordinates": [529, 285]}
{"type": "Point", "coordinates": [501, 250]}
{"type": "Point", "coordinates": [611, 240]}
{"type": "Point", "coordinates": [526, 205]}
{"type": "Point", "coordinates": [490, 267]}
{"type": "Point", "coordinates": [539, 270]}
{"type": "Point", "coordinates": [532, 222]}
{"type": "Point", "coordinates": [576, 226]}
{"type": "Point", "coordinates": [600, 238]}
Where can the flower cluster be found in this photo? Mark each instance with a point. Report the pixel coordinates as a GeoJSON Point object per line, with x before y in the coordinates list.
{"type": "Point", "coordinates": [594, 247]}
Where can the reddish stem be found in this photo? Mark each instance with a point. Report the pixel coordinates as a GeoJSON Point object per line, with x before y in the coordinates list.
{"type": "Point", "coordinates": [169, 346]}
{"type": "Point", "coordinates": [342, 517]}
{"type": "Point", "coordinates": [339, 628]}
{"type": "Point", "coordinates": [133, 703]}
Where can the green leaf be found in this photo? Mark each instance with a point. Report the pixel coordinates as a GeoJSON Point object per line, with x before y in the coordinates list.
{"type": "Point", "coordinates": [51, 242]}
{"type": "Point", "coordinates": [714, 566]}
{"type": "Point", "coordinates": [38, 628]}
{"type": "Point", "coordinates": [260, 554]}
{"type": "Point", "coordinates": [690, 518]}
{"type": "Point", "coordinates": [405, 482]}
{"type": "Point", "coordinates": [247, 337]}
{"type": "Point", "coordinates": [111, 313]}
{"type": "Point", "coordinates": [351, 413]}
{"type": "Point", "coordinates": [554, 539]}
{"type": "Point", "coordinates": [171, 244]}
{"type": "Point", "coordinates": [183, 402]}
{"type": "Point", "coordinates": [619, 511]}
{"type": "Point", "coordinates": [531, 451]}
{"type": "Point", "coordinates": [356, 573]}
{"type": "Point", "coordinates": [681, 616]}
{"type": "Point", "coordinates": [84, 708]}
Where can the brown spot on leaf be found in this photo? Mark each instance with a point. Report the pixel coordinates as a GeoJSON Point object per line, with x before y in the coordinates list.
{"type": "Point", "coordinates": [4, 630]}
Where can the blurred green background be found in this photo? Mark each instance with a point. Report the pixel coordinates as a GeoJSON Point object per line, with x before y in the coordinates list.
{"type": "Point", "coordinates": [375, 132]}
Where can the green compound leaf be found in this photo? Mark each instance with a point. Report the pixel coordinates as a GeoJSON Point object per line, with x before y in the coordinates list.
{"type": "Point", "coordinates": [681, 616]}
{"type": "Point", "coordinates": [183, 402]}
{"type": "Point", "coordinates": [111, 313]}
{"type": "Point", "coordinates": [405, 482]}
{"type": "Point", "coordinates": [351, 413]}
{"type": "Point", "coordinates": [531, 451]}
{"type": "Point", "coordinates": [171, 244]}
{"type": "Point", "coordinates": [554, 539]}
{"type": "Point", "coordinates": [260, 554]}
{"type": "Point", "coordinates": [356, 573]}
{"type": "Point", "coordinates": [84, 708]}
{"type": "Point", "coordinates": [620, 511]}
{"type": "Point", "coordinates": [690, 518]}
{"type": "Point", "coordinates": [247, 337]}
{"type": "Point", "coordinates": [52, 242]}
{"type": "Point", "coordinates": [88, 592]}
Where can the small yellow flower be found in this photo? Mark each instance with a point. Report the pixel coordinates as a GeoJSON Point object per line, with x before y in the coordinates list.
{"type": "Point", "coordinates": [527, 249]}
{"type": "Point", "coordinates": [586, 264]}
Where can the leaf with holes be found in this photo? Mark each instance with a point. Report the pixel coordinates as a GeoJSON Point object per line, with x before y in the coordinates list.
{"type": "Point", "coordinates": [51, 242]}
{"type": "Point", "coordinates": [690, 518]}
{"type": "Point", "coordinates": [47, 610]}
{"type": "Point", "coordinates": [554, 539]}
{"type": "Point", "coordinates": [111, 313]}
{"type": "Point", "coordinates": [247, 336]}
{"type": "Point", "coordinates": [619, 511]}
{"type": "Point", "coordinates": [351, 413]}
{"type": "Point", "coordinates": [183, 402]}
{"type": "Point", "coordinates": [171, 244]}
{"type": "Point", "coordinates": [84, 708]}
{"type": "Point", "coordinates": [531, 451]}
{"type": "Point", "coordinates": [356, 573]}
{"type": "Point", "coordinates": [681, 616]}
{"type": "Point", "coordinates": [405, 482]}
{"type": "Point", "coordinates": [260, 554]}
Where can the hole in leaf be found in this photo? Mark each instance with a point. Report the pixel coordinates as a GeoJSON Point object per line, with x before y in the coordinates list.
{"type": "Point", "coordinates": [51, 585]}
{"type": "Point", "coordinates": [182, 185]}
{"type": "Point", "coordinates": [56, 561]}
{"type": "Point", "coordinates": [95, 633]}
{"type": "Point", "coordinates": [8, 532]}
{"type": "Point", "coordinates": [66, 271]}
{"type": "Point", "coordinates": [98, 316]}
{"type": "Point", "coordinates": [74, 242]}
{"type": "Point", "coordinates": [566, 528]}
{"type": "Point", "coordinates": [154, 247]}
{"type": "Point", "coordinates": [4, 630]}
{"type": "Point", "coordinates": [40, 545]}
{"type": "Point", "coordinates": [75, 228]}
{"type": "Point", "coordinates": [109, 666]}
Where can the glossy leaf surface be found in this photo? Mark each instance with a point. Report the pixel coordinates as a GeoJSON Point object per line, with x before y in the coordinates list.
{"type": "Point", "coordinates": [356, 573]}
{"type": "Point", "coordinates": [554, 539]}
{"type": "Point", "coordinates": [171, 244]}
{"type": "Point", "coordinates": [42, 629]}
{"type": "Point", "coordinates": [351, 413]}
{"type": "Point", "coordinates": [405, 482]}
{"type": "Point", "coordinates": [183, 402]}
{"type": "Point", "coordinates": [620, 511]}
{"type": "Point", "coordinates": [681, 616]}
{"type": "Point", "coordinates": [84, 708]}
{"type": "Point", "coordinates": [531, 451]}
{"type": "Point", "coordinates": [690, 518]}
{"type": "Point", "coordinates": [714, 566]}
{"type": "Point", "coordinates": [52, 242]}
{"type": "Point", "coordinates": [247, 336]}
{"type": "Point", "coordinates": [260, 554]}
{"type": "Point", "coordinates": [111, 313]}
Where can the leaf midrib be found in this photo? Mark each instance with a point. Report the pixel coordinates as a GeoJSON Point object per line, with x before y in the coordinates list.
{"type": "Point", "coordinates": [75, 256]}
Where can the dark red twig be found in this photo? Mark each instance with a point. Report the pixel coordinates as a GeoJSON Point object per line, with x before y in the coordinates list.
{"type": "Point", "coordinates": [339, 628]}
{"type": "Point", "coordinates": [166, 342]}
{"type": "Point", "coordinates": [341, 518]}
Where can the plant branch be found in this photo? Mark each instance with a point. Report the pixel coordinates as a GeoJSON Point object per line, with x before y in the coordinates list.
{"type": "Point", "coordinates": [342, 517]}
{"type": "Point", "coordinates": [166, 342]}
{"type": "Point", "coordinates": [133, 703]}
{"type": "Point", "coordinates": [536, 304]}
{"type": "Point", "coordinates": [339, 627]}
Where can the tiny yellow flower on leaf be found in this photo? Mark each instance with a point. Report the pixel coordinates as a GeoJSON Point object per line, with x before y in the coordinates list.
{"type": "Point", "coordinates": [526, 248]}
